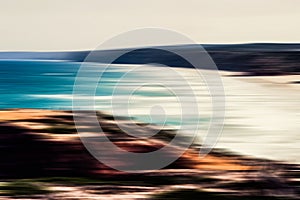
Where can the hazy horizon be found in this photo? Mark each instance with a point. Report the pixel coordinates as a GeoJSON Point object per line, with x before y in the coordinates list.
{"type": "Point", "coordinates": [54, 25]}
{"type": "Point", "coordinates": [204, 44]}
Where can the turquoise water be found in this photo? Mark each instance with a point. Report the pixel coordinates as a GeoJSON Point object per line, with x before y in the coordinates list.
{"type": "Point", "coordinates": [20, 81]}
{"type": "Point", "coordinates": [46, 84]}
{"type": "Point", "coordinates": [49, 85]}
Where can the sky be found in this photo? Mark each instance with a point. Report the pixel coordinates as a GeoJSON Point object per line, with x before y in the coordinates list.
{"type": "Point", "coordinates": [49, 25]}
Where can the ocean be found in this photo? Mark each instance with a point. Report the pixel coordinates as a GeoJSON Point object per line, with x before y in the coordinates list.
{"type": "Point", "coordinates": [49, 85]}
{"type": "Point", "coordinates": [262, 118]}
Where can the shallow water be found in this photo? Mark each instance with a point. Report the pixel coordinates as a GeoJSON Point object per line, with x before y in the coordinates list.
{"type": "Point", "coordinates": [262, 118]}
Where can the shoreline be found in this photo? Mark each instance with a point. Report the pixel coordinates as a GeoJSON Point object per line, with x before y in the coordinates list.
{"type": "Point", "coordinates": [23, 117]}
{"type": "Point", "coordinates": [35, 121]}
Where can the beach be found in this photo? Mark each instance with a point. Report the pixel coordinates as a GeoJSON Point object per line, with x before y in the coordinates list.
{"type": "Point", "coordinates": [263, 111]}
{"type": "Point", "coordinates": [153, 100]}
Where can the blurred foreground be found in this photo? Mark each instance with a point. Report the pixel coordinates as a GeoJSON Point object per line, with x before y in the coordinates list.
{"type": "Point", "coordinates": [43, 157]}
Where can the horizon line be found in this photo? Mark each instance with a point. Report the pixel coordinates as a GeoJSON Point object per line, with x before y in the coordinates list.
{"type": "Point", "coordinates": [171, 45]}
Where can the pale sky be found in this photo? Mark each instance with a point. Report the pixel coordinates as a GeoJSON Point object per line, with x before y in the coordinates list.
{"type": "Point", "coordinates": [84, 24]}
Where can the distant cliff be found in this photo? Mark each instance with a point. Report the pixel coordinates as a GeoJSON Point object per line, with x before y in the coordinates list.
{"type": "Point", "coordinates": [253, 59]}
